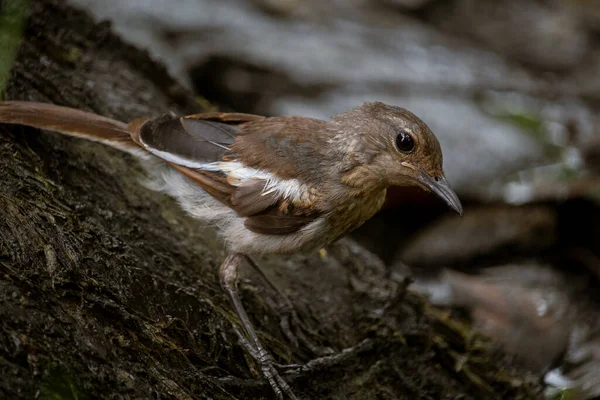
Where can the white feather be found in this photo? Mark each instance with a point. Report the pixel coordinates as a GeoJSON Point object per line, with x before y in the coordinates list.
{"type": "Point", "coordinates": [175, 159]}
{"type": "Point", "coordinates": [289, 189]}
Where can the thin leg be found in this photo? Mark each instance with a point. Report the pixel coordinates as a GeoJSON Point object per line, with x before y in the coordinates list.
{"type": "Point", "coordinates": [228, 274]}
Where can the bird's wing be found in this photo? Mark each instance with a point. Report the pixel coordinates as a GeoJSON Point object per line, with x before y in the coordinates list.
{"type": "Point", "coordinates": [199, 146]}
{"type": "Point", "coordinates": [187, 141]}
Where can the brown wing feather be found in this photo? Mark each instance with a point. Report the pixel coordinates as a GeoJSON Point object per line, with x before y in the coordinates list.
{"type": "Point", "coordinates": [185, 141]}
{"type": "Point", "coordinates": [276, 224]}
{"type": "Point", "coordinates": [249, 198]}
{"type": "Point", "coordinates": [230, 118]}
{"type": "Point", "coordinates": [263, 211]}
{"type": "Point", "coordinates": [207, 138]}
{"type": "Point", "coordinates": [275, 215]}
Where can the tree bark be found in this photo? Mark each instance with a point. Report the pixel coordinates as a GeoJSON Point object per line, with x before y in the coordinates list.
{"type": "Point", "coordinates": [108, 290]}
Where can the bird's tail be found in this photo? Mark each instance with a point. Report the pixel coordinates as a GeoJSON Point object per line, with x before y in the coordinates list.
{"type": "Point", "coordinates": [68, 121]}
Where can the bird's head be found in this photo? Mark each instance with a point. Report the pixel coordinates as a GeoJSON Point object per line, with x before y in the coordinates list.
{"type": "Point", "coordinates": [391, 146]}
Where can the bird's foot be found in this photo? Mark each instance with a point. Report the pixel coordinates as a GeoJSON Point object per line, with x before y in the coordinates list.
{"type": "Point", "coordinates": [269, 368]}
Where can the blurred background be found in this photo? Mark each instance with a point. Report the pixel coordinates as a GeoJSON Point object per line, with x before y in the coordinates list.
{"type": "Point", "coordinates": [512, 90]}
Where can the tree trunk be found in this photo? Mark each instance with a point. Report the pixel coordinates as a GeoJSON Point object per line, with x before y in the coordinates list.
{"type": "Point", "coordinates": [108, 290]}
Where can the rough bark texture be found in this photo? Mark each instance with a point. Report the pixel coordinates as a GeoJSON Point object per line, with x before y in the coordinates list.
{"type": "Point", "coordinates": [108, 290]}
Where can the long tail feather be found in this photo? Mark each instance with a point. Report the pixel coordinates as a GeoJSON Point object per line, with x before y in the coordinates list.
{"type": "Point", "coordinates": [68, 121]}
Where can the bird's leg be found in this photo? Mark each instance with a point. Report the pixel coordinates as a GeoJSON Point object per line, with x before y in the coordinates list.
{"type": "Point", "coordinates": [299, 336]}
{"type": "Point", "coordinates": [228, 276]}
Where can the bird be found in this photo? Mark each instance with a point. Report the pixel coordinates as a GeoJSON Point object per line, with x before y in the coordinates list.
{"type": "Point", "coordinates": [271, 185]}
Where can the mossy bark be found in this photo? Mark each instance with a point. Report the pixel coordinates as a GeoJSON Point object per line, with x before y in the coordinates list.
{"type": "Point", "coordinates": [108, 290]}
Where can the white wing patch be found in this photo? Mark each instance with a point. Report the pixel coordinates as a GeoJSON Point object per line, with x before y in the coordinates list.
{"type": "Point", "coordinates": [237, 174]}
{"type": "Point", "coordinates": [175, 159]}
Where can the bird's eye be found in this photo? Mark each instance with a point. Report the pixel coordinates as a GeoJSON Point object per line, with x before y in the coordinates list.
{"type": "Point", "coordinates": [405, 142]}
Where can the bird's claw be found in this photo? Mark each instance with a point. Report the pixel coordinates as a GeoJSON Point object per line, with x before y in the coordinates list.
{"type": "Point", "coordinates": [269, 368]}
{"type": "Point", "coordinates": [279, 386]}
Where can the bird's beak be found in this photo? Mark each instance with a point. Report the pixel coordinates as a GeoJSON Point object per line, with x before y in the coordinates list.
{"type": "Point", "coordinates": [440, 187]}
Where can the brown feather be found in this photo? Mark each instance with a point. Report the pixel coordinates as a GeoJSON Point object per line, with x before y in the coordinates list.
{"type": "Point", "coordinates": [230, 118]}
{"type": "Point", "coordinates": [248, 199]}
{"type": "Point", "coordinates": [263, 211]}
{"type": "Point", "coordinates": [278, 224]}
{"type": "Point", "coordinates": [291, 146]}
{"type": "Point", "coordinates": [190, 140]}
{"type": "Point", "coordinates": [68, 121]}
{"type": "Point", "coordinates": [199, 138]}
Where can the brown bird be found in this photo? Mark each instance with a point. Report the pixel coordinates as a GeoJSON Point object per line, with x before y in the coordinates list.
{"type": "Point", "coordinates": [271, 185]}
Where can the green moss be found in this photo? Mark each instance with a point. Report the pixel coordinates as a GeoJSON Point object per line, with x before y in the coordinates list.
{"type": "Point", "coordinates": [12, 21]}
{"type": "Point", "coordinates": [533, 126]}
{"type": "Point", "coordinates": [60, 384]}
{"type": "Point", "coordinates": [72, 54]}
{"type": "Point", "coordinates": [528, 122]}
{"type": "Point", "coordinates": [206, 105]}
{"type": "Point", "coordinates": [565, 394]}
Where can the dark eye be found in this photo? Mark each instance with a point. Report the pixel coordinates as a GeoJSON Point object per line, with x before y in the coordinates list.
{"type": "Point", "coordinates": [405, 142]}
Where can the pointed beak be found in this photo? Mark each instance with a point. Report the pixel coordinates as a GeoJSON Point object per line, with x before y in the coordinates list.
{"type": "Point", "coordinates": [440, 187]}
